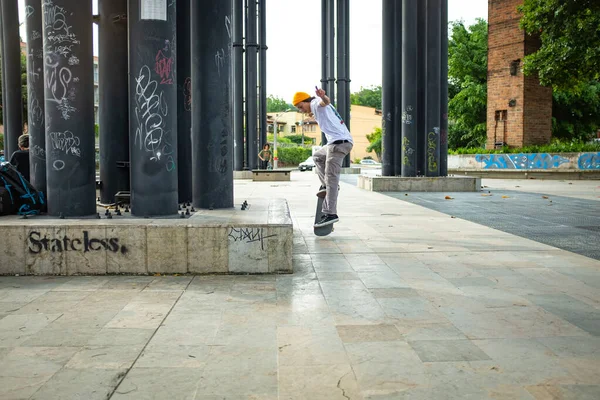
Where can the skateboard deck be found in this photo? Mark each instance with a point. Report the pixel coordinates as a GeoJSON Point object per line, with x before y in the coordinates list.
{"type": "Point", "coordinates": [323, 230]}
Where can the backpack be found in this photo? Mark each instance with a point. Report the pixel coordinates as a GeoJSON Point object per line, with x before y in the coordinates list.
{"type": "Point", "coordinates": [18, 195]}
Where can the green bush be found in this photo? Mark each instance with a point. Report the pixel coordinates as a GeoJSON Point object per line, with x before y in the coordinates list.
{"type": "Point", "coordinates": [293, 155]}
{"type": "Point", "coordinates": [557, 146]}
{"type": "Point", "coordinates": [1, 141]}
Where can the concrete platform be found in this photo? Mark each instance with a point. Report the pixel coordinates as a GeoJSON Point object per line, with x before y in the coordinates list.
{"type": "Point", "coordinates": [242, 174]}
{"type": "Point", "coordinates": [271, 175]}
{"type": "Point", "coordinates": [420, 184]}
{"type": "Point", "coordinates": [554, 174]}
{"type": "Point", "coordinates": [256, 240]}
{"type": "Point", "coordinates": [350, 171]}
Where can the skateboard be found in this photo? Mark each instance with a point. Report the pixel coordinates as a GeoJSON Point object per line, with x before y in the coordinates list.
{"type": "Point", "coordinates": [322, 230]}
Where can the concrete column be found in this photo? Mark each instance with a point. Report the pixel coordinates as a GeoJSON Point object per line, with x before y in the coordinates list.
{"type": "Point", "coordinates": [153, 107]}
{"type": "Point", "coordinates": [184, 101]}
{"type": "Point", "coordinates": [212, 138]}
{"type": "Point", "coordinates": [35, 95]}
{"type": "Point", "coordinates": [114, 99]}
{"type": "Point", "coordinates": [12, 103]}
{"type": "Point", "coordinates": [69, 112]}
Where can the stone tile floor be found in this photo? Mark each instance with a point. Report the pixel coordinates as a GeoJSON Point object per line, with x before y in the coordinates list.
{"type": "Point", "coordinates": [400, 302]}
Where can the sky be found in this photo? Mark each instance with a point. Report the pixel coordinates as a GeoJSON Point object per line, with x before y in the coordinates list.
{"type": "Point", "coordinates": [294, 41]}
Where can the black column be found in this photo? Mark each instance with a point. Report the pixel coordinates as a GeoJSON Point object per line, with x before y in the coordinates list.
{"type": "Point", "coordinates": [114, 101]}
{"type": "Point", "coordinates": [251, 82]}
{"type": "Point", "coordinates": [69, 113]}
{"type": "Point", "coordinates": [35, 95]}
{"type": "Point", "coordinates": [343, 64]}
{"type": "Point", "coordinates": [397, 116]}
{"type": "Point", "coordinates": [238, 84]}
{"type": "Point", "coordinates": [433, 91]}
{"type": "Point", "coordinates": [444, 89]}
{"type": "Point", "coordinates": [324, 36]}
{"type": "Point", "coordinates": [263, 71]}
{"type": "Point", "coordinates": [212, 139]}
{"type": "Point", "coordinates": [11, 76]}
{"type": "Point", "coordinates": [153, 105]}
{"type": "Point", "coordinates": [420, 114]}
{"type": "Point", "coordinates": [409, 87]}
{"type": "Point", "coordinates": [387, 90]}
{"type": "Point", "coordinates": [184, 101]}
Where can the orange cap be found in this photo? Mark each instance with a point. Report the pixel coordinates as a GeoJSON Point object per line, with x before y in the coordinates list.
{"type": "Point", "coordinates": [300, 97]}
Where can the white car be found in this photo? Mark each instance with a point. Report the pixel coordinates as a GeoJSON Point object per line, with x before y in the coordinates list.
{"type": "Point", "coordinates": [308, 164]}
{"type": "Point", "coordinates": [369, 162]}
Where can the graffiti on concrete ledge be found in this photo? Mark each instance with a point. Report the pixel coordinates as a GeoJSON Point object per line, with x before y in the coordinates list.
{"type": "Point", "coordinates": [521, 161]}
{"type": "Point", "coordinates": [37, 243]}
{"type": "Point", "coordinates": [589, 161]}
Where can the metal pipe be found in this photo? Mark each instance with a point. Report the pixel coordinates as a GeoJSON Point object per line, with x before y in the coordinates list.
{"type": "Point", "coordinates": [421, 108]}
{"type": "Point", "coordinates": [184, 102]}
{"type": "Point", "coordinates": [263, 72]}
{"type": "Point", "coordinates": [35, 95]}
{"type": "Point", "coordinates": [444, 90]}
{"type": "Point", "coordinates": [433, 91]}
{"type": "Point", "coordinates": [69, 112]}
{"type": "Point", "coordinates": [238, 84]}
{"type": "Point", "coordinates": [324, 43]}
{"type": "Point", "coordinates": [409, 87]}
{"type": "Point", "coordinates": [12, 107]}
{"type": "Point", "coordinates": [343, 65]}
{"type": "Point", "coordinates": [113, 99]}
{"type": "Point", "coordinates": [251, 92]}
{"type": "Point", "coordinates": [153, 101]}
{"type": "Point", "coordinates": [387, 93]}
{"type": "Point", "coordinates": [212, 139]}
{"type": "Point", "coordinates": [397, 116]}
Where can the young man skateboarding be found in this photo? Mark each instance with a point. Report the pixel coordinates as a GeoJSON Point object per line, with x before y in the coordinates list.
{"type": "Point", "coordinates": [329, 158]}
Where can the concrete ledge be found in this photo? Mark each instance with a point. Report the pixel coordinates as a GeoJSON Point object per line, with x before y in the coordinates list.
{"type": "Point", "coordinates": [420, 184]}
{"type": "Point", "coordinates": [556, 174]}
{"type": "Point", "coordinates": [262, 175]}
{"type": "Point", "coordinates": [242, 174]}
{"type": "Point", "coordinates": [231, 241]}
{"type": "Point", "coordinates": [350, 171]}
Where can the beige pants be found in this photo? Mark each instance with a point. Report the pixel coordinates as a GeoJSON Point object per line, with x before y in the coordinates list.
{"type": "Point", "coordinates": [328, 160]}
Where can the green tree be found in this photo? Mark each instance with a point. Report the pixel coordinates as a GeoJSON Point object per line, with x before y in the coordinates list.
{"type": "Point", "coordinates": [374, 139]}
{"type": "Point", "coordinates": [23, 89]}
{"type": "Point", "coordinates": [368, 97]}
{"type": "Point", "coordinates": [569, 31]}
{"type": "Point", "coordinates": [576, 111]}
{"type": "Point", "coordinates": [467, 85]}
{"type": "Point", "coordinates": [276, 104]}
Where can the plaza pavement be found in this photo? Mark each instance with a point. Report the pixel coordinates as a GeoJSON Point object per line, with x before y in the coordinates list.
{"type": "Point", "coordinates": [400, 302]}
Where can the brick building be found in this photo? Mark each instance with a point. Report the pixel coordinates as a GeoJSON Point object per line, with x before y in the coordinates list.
{"type": "Point", "coordinates": [519, 109]}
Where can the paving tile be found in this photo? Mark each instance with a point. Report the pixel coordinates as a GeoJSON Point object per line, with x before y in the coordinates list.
{"type": "Point", "coordinates": [448, 350]}
{"type": "Point", "coordinates": [319, 382]}
{"type": "Point", "coordinates": [368, 333]}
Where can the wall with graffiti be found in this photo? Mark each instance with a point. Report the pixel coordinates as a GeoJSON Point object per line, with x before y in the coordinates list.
{"type": "Point", "coordinates": [526, 161]}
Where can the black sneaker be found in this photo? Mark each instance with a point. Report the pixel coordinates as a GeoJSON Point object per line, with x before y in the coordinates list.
{"type": "Point", "coordinates": [322, 191]}
{"type": "Point", "coordinates": [327, 219]}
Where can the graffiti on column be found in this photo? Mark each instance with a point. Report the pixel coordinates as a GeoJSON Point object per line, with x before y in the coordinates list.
{"type": "Point", "coordinates": [187, 94]}
{"type": "Point", "coordinates": [164, 64]}
{"type": "Point", "coordinates": [589, 161]}
{"type": "Point", "coordinates": [151, 110]}
{"type": "Point", "coordinates": [432, 164]}
{"type": "Point", "coordinates": [521, 161]}
{"type": "Point", "coordinates": [60, 56]}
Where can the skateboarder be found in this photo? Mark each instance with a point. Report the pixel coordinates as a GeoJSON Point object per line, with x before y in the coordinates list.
{"type": "Point", "coordinates": [328, 159]}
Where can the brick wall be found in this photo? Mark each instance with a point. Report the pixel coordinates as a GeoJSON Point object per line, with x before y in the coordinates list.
{"type": "Point", "coordinates": [528, 117]}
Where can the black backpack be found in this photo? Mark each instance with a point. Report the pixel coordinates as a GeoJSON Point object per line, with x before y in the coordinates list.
{"type": "Point", "coordinates": [17, 195]}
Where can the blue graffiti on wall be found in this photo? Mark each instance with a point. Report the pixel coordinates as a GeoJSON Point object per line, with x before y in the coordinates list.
{"type": "Point", "coordinates": [589, 161]}
{"type": "Point", "coordinates": [521, 161]}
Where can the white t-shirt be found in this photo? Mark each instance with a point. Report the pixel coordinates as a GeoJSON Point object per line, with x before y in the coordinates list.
{"type": "Point", "coordinates": [330, 121]}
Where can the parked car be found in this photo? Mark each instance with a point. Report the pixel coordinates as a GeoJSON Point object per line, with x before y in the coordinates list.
{"type": "Point", "coordinates": [307, 165]}
{"type": "Point", "coordinates": [368, 161]}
